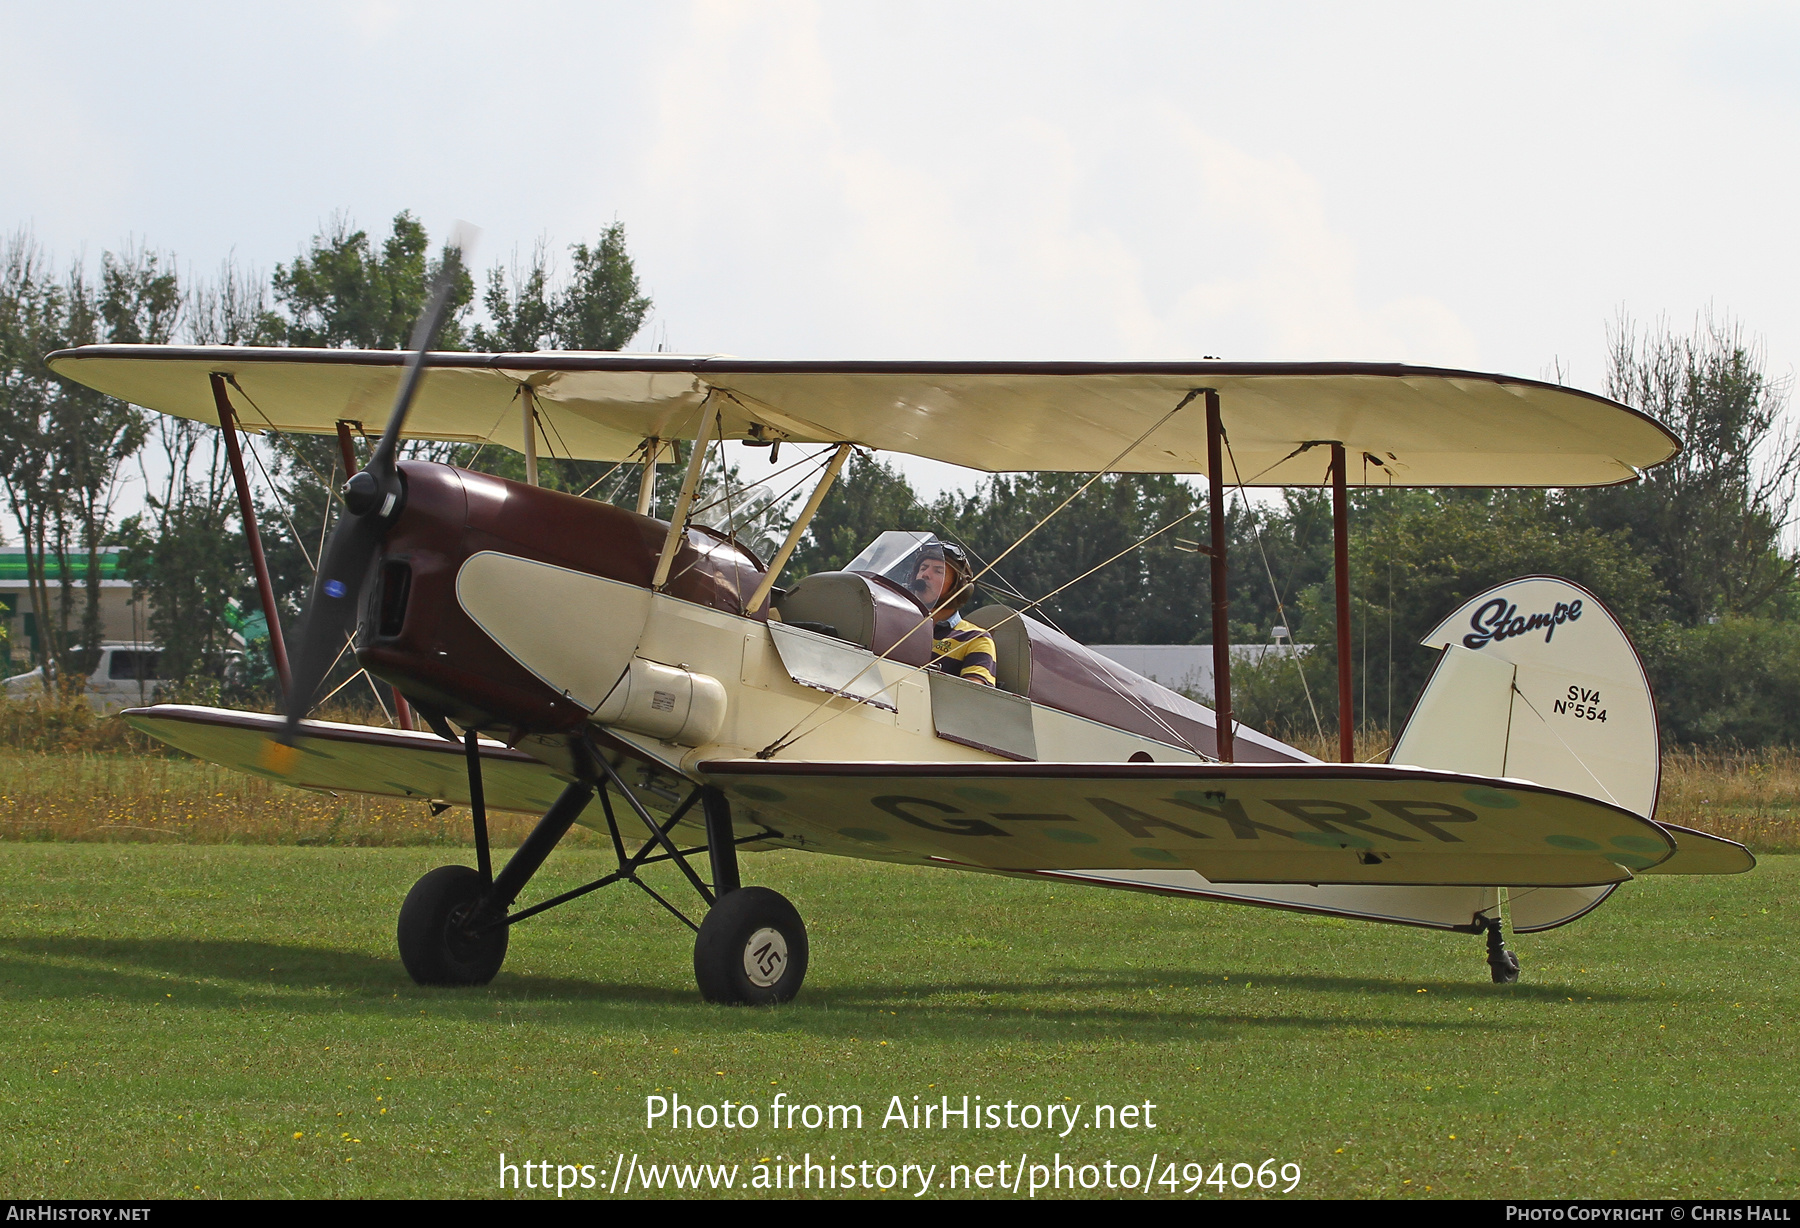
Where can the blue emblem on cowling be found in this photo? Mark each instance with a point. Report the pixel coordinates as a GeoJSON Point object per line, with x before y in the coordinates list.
{"type": "Point", "coordinates": [334, 588]}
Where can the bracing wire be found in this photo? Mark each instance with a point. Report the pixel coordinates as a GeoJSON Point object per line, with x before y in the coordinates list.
{"type": "Point", "coordinates": [1108, 683]}
{"type": "Point", "coordinates": [361, 673]}
{"type": "Point", "coordinates": [725, 485]}
{"type": "Point", "coordinates": [489, 438]}
{"type": "Point", "coordinates": [1141, 542]}
{"type": "Point", "coordinates": [538, 419]}
{"type": "Point", "coordinates": [379, 701]}
{"type": "Point", "coordinates": [1083, 488]}
{"type": "Point", "coordinates": [281, 504]}
{"type": "Point", "coordinates": [999, 583]}
{"type": "Point", "coordinates": [1572, 754]}
{"type": "Point", "coordinates": [642, 447]}
{"type": "Point", "coordinates": [1280, 607]}
{"type": "Point", "coordinates": [804, 460]}
{"type": "Point", "coordinates": [334, 664]}
{"type": "Point", "coordinates": [324, 525]}
{"type": "Point", "coordinates": [349, 645]}
{"type": "Point", "coordinates": [330, 490]}
{"type": "Point", "coordinates": [823, 458]}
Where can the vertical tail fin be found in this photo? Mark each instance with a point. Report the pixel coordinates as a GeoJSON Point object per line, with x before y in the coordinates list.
{"type": "Point", "coordinates": [1539, 681]}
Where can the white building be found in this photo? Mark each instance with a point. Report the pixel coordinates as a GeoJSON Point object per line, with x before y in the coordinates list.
{"type": "Point", "coordinates": [121, 618]}
{"type": "Point", "coordinates": [1187, 668]}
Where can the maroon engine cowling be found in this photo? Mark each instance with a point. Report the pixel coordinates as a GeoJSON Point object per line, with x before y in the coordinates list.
{"type": "Point", "coordinates": [415, 635]}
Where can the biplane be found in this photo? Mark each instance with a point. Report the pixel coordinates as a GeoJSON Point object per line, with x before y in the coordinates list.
{"type": "Point", "coordinates": [651, 677]}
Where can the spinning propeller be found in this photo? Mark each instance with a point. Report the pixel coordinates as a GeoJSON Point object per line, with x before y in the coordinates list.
{"type": "Point", "coordinates": [373, 499]}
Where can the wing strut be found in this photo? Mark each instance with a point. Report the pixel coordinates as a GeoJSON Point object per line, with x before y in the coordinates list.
{"type": "Point", "coordinates": [685, 500]}
{"type": "Point", "coordinates": [528, 412]}
{"type": "Point", "coordinates": [646, 504]}
{"type": "Point", "coordinates": [1340, 570]}
{"type": "Point", "coordinates": [801, 524]}
{"type": "Point", "coordinates": [1221, 597]}
{"type": "Point", "coordinates": [265, 589]}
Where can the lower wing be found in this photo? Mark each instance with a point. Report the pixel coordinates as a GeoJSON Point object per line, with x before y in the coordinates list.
{"type": "Point", "coordinates": [1266, 823]}
{"type": "Point", "coordinates": [355, 758]}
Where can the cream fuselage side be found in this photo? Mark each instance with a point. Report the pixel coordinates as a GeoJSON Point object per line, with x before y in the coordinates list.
{"type": "Point", "coordinates": [579, 634]}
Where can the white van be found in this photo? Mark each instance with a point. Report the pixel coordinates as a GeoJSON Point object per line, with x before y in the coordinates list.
{"type": "Point", "coordinates": [123, 676]}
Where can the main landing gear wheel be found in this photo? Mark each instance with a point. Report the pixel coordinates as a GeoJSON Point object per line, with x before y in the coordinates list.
{"type": "Point", "coordinates": [437, 944]}
{"type": "Point", "coordinates": [751, 949]}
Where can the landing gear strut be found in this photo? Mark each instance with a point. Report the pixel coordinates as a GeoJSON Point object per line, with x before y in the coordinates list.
{"type": "Point", "coordinates": [1502, 963]}
{"type": "Point", "coordinates": [750, 948]}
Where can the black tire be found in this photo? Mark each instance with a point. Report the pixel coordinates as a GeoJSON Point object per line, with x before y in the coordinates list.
{"type": "Point", "coordinates": [1506, 971]}
{"type": "Point", "coordinates": [751, 949]}
{"type": "Point", "coordinates": [435, 943]}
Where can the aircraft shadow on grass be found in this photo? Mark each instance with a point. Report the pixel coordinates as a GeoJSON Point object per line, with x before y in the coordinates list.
{"type": "Point", "coordinates": [304, 979]}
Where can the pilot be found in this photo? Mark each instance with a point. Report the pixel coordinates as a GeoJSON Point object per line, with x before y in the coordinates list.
{"type": "Point", "coordinates": [942, 582]}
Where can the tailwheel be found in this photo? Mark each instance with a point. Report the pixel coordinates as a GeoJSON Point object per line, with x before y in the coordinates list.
{"type": "Point", "coordinates": [439, 941]}
{"type": "Point", "coordinates": [1502, 963]}
{"type": "Point", "coordinates": [751, 949]}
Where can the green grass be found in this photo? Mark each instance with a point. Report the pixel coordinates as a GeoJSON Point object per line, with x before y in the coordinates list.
{"type": "Point", "coordinates": [175, 1016]}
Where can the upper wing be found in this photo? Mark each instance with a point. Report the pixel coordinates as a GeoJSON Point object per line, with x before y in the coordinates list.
{"type": "Point", "coordinates": [1282, 823]}
{"type": "Point", "coordinates": [355, 758]}
{"type": "Point", "coordinates": [1415, 426]}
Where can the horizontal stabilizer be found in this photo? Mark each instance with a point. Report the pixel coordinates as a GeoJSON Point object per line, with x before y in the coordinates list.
{"type": "Point", "coordinates": [1531, 909]}
{"type": "Point", "coordinates": [1699, 852]}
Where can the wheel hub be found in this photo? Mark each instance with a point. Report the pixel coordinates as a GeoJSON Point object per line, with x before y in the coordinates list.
{"type": "Point", "coordinates": [465, 941]}
{"type": "Point", "coordinates": [765, 957]}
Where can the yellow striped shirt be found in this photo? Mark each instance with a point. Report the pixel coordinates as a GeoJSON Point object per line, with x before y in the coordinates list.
{"type": "Point", "coordinates": [960, 647]}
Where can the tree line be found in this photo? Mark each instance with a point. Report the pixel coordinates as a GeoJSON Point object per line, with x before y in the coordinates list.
{"type": "Point", "coordinates": [66, 451]}
{"type": "Point", "coordinates": [1694, 557]}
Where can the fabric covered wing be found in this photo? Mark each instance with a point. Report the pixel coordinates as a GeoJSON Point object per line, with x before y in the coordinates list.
{"type": "Point", "coordinates": [1428, 426]}
{"type": "Point", "coordinates": [354, 758]}
{"type": "Point", "coordinates": [1287, 823]}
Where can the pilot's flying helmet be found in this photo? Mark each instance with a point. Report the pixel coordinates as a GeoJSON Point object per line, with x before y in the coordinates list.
{"type": "Point", "coordinates": [956, 566]}
{"type": "Point", "coordinates": [898, 555]}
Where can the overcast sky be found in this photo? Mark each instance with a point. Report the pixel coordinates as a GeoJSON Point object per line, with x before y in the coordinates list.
{"type": "Point", "coordinates": [1457, 185]}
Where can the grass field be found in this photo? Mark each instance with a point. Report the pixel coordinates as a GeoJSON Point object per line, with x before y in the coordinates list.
{"type": "Point", "coordinates": [207, 1020]}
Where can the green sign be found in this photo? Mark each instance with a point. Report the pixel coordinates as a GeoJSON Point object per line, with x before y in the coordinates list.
{"type": "Point", "coordinates": [13, 565]}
